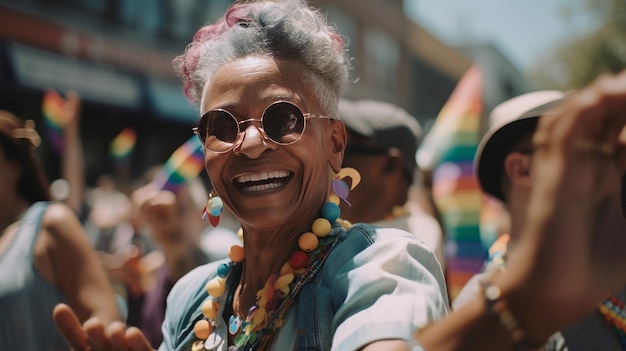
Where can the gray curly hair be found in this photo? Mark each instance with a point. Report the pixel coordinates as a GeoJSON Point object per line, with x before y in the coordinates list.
{"type": "Point", "coordinates": [283, 29]}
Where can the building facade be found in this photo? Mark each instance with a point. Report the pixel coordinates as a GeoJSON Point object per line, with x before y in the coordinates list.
{"type": "Point", "coordinates": [117, 54]}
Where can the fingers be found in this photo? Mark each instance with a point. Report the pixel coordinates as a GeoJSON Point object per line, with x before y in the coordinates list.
{"type": "Point", "coordinates": [583, 136]}
{"type": "Point", "coordinates": [117, 333]}
{"type": "Point", "coordinates": [136, 340]}
{"type": "Point", "coordinates": [609, 110]}
{"type": "Point", "coordinates": [140, 196]}
{"type": "Point", "coordinates": [97, 335]}
{"type": "Point", "coordinates": [154, 204]}
{"type": "Point", "coordinates": [596, 113]}
{"type": "Point", "coordinates": [164, 198]}
{"type": "Point", "coordinates": [94, 336]}
{"type": "Point", "coordinates": [128, 339]}
{"type": "Point", "coordinates": [70, 327]}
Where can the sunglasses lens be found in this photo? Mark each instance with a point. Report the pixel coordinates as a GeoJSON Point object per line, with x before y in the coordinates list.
{"type": "Point", "coordinates": [218, 130]}
{"type": "Point", "coordinates": [283, 122]}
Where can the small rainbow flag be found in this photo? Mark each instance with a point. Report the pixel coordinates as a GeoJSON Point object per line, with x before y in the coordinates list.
{"type": "Point", "coordinates": [53, 108]}
{"type": "Point", "coordinates": [448, 149]}
{"type": "Point", "coordinates": [123, 145]}
{"type": "Point", "coordinates": [185, 163]}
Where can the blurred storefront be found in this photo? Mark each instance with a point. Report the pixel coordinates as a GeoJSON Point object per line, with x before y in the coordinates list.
{"type": "Point", "coordinates": [118, 54]}
{"type": "Point", "coordinates": [123, 74]}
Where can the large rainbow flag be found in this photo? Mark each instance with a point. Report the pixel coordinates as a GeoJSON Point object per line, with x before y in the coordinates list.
{"type": "Point", "coordinates": [55, 118]}
{"type": "Point", "coordinates": [186, 162]}
{"type": "Point", "coordinates": [449, 149]}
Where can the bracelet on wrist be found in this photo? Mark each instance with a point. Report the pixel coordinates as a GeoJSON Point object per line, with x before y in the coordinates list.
{"type": "Point", "coordinates": [499, 307]}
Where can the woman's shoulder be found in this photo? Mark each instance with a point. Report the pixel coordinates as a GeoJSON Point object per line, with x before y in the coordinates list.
{"type": "Point", "coordinates": [367, 240]}
{"type": "Point", "coordinates": [369, 234]}
{"type": "Point", "coordinates": [184, 304]}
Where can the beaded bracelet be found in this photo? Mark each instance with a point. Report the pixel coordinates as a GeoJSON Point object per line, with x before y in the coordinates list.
{"type": "Point", "coordinates": [499, 307]}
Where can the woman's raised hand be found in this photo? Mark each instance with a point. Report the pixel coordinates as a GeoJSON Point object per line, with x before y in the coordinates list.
{"type": "Point", "coordinates": [94, 336]}
{"type": "Point", "coordinates": [575, 234]}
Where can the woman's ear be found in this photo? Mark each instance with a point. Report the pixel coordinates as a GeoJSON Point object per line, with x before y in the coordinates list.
{"type": "Point", "coordinates": [394, 162]}
{"type": "Point", "coordinates": [517, 168]}
{"type": "Point", "coordinates": [337, 144]}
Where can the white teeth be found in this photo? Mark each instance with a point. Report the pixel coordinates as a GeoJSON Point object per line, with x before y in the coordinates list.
{"type": "Point", "coordinates": [262, 176]}
{"type": "Point", "coordinates": [264, 186]}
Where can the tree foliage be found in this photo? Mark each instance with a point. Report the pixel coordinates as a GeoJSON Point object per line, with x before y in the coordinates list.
{"type": "Point", "coordinates": [573, 64]}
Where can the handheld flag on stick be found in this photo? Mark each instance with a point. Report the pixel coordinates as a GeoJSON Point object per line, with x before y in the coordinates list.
{"type": "Point", "coordinates": [449, 150]}
{"type": "Point", "coordinates": [123, 145]}
{"type": "Point", "coordinates": [185, 163]}
{"type": "Point", "coordinates": [53, 108]}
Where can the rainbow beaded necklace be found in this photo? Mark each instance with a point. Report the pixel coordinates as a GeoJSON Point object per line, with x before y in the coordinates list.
{"type": "Point", "coordinates": [614, 314]}
{"type": "Point", "coordinates": [256, 331]}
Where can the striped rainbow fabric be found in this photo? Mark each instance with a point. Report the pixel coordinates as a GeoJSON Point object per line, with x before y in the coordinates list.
{"type": "Point", "coordinates": [185, 163]}
{"type": "Point", "coordinates": [52, 107]}
{"type": "Point", "coordinates": [123, 145]}
{"type": "Point", "coordinates": [448, 149]}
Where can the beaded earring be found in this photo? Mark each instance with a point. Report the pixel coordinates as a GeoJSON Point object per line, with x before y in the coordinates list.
{"type": "Point", "coordinates": [213, 209]}
{"type": "Point", "coordinates": [341, 189]}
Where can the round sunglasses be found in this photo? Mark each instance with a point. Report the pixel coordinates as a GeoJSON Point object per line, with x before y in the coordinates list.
{"type": "Point", "coordinates": [282, 122]}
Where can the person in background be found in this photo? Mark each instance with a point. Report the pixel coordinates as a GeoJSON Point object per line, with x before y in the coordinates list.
{"type": "Point", "coordinates": [45, 258]}
{"type": "Point", "coordinates": [382, 141]}
{"type": "Point", "coordinates": [118, 237]}
{"type": "Point", "coordinates": [569, 254]}
{"type": "Point", "coordinates": [181, 242]}
{"type": "Point", "coordinates": [109, 223]}
{"type": "Point", "coordinates": [72, 159]}
{"type": "Point", "coordinates": [172, 222]}
{"type": "Point", "coordinates": [502, 163]}
{"type": "Point", "coordinates": [504, 171]}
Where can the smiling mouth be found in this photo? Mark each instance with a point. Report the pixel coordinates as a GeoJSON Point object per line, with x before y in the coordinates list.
{"type": "Point", "coordinates": [264, 181]}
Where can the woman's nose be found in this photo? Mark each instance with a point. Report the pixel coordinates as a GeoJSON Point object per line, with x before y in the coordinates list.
{"type": "Point", "coordinates": [253, 142]}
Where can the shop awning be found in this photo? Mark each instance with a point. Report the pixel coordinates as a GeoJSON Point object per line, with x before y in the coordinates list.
{"type": "Point", "coordinates": [42, 70]}
{"type": "Point", "coordinates": [168, 100]}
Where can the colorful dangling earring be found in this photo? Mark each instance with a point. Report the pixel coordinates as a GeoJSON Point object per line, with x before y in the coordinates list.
{"type": "Point", "coordinates": [213, 209]}
{"type": "Point", "coordinates": [341, 188]}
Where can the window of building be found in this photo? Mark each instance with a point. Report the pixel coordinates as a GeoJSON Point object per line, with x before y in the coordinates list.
{"type": "Point", "coordinates": [346, 25]}
{"type": "Point", "coordinates": [214, 10]}
{"type": "Point", "coordinates": [143, 15]}
{"type": "Point", "coordinates": [382, 60]}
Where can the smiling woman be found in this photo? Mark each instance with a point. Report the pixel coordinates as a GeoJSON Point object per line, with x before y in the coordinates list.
{"type": "Point", "coordinates": [267, 78]}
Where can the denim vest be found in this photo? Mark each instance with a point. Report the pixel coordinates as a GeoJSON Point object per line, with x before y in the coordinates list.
{"type": "Point", "coordinates": [319, 301]}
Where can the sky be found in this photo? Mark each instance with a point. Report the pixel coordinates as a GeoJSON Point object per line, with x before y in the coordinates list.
{"type": "Point", "coordinates": [523, 29]}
